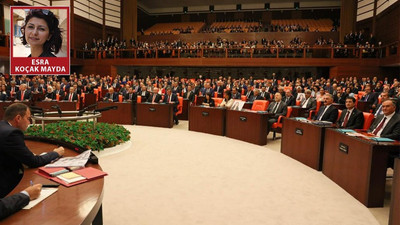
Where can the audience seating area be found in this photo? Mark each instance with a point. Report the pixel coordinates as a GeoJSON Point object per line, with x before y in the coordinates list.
{"type": "Point", "coordinates": [228, 25]}
{"type": "Point", "coordinates": [174, 28]}
{"type": "Point", "coordinates": [323, 25]}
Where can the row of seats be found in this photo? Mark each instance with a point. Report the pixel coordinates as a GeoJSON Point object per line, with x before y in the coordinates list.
{"type": "Point", "coordinates": [171, 27]}
{"type": "Point", "coordinates": [227, 25]}
{"type": "Point", "coordinates": [321, 24]}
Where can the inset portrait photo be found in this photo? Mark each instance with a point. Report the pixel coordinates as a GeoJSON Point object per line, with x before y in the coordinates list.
{"type": "Point", "coordinates": [40, 40]}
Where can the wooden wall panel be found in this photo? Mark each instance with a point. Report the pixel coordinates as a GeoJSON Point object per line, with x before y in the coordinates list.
{"type": "Point", "coordinates": [388, 24]}
{"type": "Point", "coordinates": [85, 31]}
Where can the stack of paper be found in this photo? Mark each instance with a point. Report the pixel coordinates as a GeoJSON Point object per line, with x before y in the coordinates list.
{"type": "Point", "coordinates": [71, 177]}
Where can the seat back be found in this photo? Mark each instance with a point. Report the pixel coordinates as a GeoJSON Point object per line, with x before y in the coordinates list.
{"type": "Point", "coordinates": [298, 102]}
{"type": "Point", "coordinates": [139, 99]}
{"type": "Point", "coordinates": [289, 111]}
{"type": "Point", "coordinates": [243, 98]}
{"type": "Point", "coordinates": [260, 105]}
{"type": "Point", "coordinates": [318, 106]}
{"type": "Point", "coordinates": [368, 118]}
{"type": "Point", "coordinates": [120, 98]}
{"type": "Point", "coordinates": [180, 106]}
{"type": "Point", "coordinates": [217, 101]}
{"type": "Point", "coordinates": [339, 114]}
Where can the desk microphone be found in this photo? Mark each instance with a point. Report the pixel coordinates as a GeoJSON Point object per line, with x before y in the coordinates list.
{"type": "Point", "coordinates": [58, 109]}
{"type": "Point", "coordinates": [80, 113]}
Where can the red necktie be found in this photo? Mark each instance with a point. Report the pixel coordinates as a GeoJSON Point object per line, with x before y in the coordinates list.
{"type": "Point", "coordinates": [22, 95]}
{"type": "Point", "coordinates": [379, 127]}
{"type": "Point", "coordinates": [346, 119]}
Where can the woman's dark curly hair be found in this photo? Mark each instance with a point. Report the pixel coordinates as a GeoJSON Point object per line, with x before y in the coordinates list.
{"type": "Point", "coordinates": [55, 42]}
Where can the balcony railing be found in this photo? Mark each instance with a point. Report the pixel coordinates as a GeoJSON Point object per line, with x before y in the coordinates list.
{"type": "Point", "coordinates": [269, 52]}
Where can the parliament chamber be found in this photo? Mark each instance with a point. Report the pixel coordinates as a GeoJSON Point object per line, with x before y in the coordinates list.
{"type": "Point", "coordinates": [254, 112]}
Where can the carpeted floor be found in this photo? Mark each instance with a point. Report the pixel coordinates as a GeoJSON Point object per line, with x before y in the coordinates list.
{"type": "Point", "coordinates": [175, 176]}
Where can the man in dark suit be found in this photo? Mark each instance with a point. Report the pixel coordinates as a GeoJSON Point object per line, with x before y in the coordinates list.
{"type": "Point", "coordinates": [278, 108]}
{"type": "Point", "coordinates": [189, 94]}
{"type": "Point", "coordinates": [309, 103]}
{"type": "Point", "coordinates": [130, 95]}
{"type": "Point", "coordinates": [378, 107]}
{"type": "Point", "coordinates": [13, 151]}
{"type": "Point", "coordinates": [171, 98]}
{"type": "Point", "coordinates": [72, 96]}
{"type": "Point", "coordinates": [235, 94]}
{"type": "Point", "coordinates": [219, 88]}
{"type": "Point", "coordinates": [388, 124]}
{"type": "Point", "coordinates": [111, 96]}
{"type": "Point", "coordinates": [328, 112]}
{"type": "Point", "coordinates": [155, 97]}
{"type": "Point", "coordinates": [249, 92]}
{"type": "Point", "coordinates": [289, 99]}
{"type": "Point", "coordinates": [207, 90]}
{"type": "Point", "coordinates": [144, 93]}
{"type": "Point", "coordinates": [255, 96]}
{"type": "Point", "coordinates": [14, 203]}
{"type": "Point", "coordinates": [59, 92]}
{"type": "Point", "coordinates": [13, 89]}
{"type": "Point", "coordinates": [23, 94]}
{"type": "Point", "coordinates": [265, 94]}
{"type": "Point", "coordinates": [351, 118]}
{"type": "Point", "coordinates": [369, 96]}
{"type": "Point", "coordinates": [340, 96]}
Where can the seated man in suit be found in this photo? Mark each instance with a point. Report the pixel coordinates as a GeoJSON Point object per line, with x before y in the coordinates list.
{"type": "Point", "coordinates": [328, 112]}
{"type": "Point", "coordinates": [369, 96]}
{"type": "Point", "coordinates": [388, 124]}
{"type": "Point", "coordinates": [23, 94]}
{"type": "Point", "coordinates": [172, 98]}
{"type": "Point", "coordinates": [207, 90]}
{"type": "Point", "coordinates": [278, 108]}
{"type": "Point", "coordinates": [378, 107]}
{"type": "Point", "coordinates": [289, 99]}
{"type": "Point", "coordinates": [59, 92]}
{"type": "Point", "coordinates": [265, 94]}
{"type": "Point", "coordinates": [309, 102]}
{"type": "Point", "coordinates": [235, 94]}
{"type": "Point", "coordinates": [256, 96]}
{"type": "Point", "coordinates": [340, 97]}
{"type": "Point", "coordinates": [249, 92]}
{"type": "Point", "coordinates": [14, 203]}
{"type": "Point", "coordinates": [13, 89]}
{"type": "Point", "coordinates": [189, 94]}
{"type": "Point", "coordinates": [72, 96]}
{"type": "Point", "coordinates": [13, 151]}
{"type": "Point", "coordinates": [111, 96]}
{"type": "Point", "coordinates": [351, 118]}
{"type": "Point", "coordinates": [155, 97]}
{"type": "Point", "coordinates": [219, 88]}
{"type": "Point", "coordinates": [130, 95]}
{"type": "Point", "coordinates": [144, 93]}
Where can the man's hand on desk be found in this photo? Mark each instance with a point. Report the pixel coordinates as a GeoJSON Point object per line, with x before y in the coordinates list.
{"type": "Point", "coordinates": [60, 151]}
{"type": "Point", "coordinates": [34, 191]}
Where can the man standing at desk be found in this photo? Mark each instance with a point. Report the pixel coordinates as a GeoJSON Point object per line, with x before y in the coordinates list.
{"type": "Point", "coordinates": [171, 98]}
{"type": "Point", "coordinates": [328, 112]}
{"type": "Point", "coordinates": [13, 151]}
{"type": "Point", "coordinates": [351, 117]}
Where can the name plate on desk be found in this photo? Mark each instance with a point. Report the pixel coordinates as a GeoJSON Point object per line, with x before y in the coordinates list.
{"type": "Point", "coordinates": [344, 148]}
{"type": "Point", "coordinates": [299, 131]}
{"type": "Point", "coordinates": [204, 113]}
{"type": "Point", "coordinates": [243, 118]}
{"type": "Point", "coordinates": [151, 109]}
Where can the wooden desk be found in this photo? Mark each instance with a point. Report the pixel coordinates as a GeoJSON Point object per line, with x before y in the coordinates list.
{"type": "Point", "coordinates": [209, 120]}
{"type": "Point", "coordinates": [364, 106]}
{"type": "Point", "coordinates": [357, 165]}
{"type": "Point", "coordinates": [157, 115]}
{"type": "Point", "coordinates": [200, 100]}
{"type": "Point", "coordinates": [304, 142]}
{"type": "Point", "coordinates": [64, 106]}
{"type": "Point", "coordinates": [185, 110]}
{"type": "Point", "coordinates": [80, 204]}
{"type": "Point", "coordinates": [248, 126]}
{"type": "Point", "coordinates": [297, 111]}
{"type": "Point", "coordinates": [394, 216]}
{"type": "Point", "coordinates": [124, 114]}
{"type": "Point", "coordinates": [90, 99]}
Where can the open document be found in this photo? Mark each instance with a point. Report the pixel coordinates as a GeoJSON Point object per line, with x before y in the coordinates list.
{"type": "Point", "coordinates": [77, 161]}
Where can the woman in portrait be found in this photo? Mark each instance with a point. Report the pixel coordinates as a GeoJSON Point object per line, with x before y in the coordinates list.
{"type": "Point", "coordinates": [42, 33]}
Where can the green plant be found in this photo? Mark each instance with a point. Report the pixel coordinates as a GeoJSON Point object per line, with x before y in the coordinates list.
{"type": "Point", "coordinates": [83, 134]}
